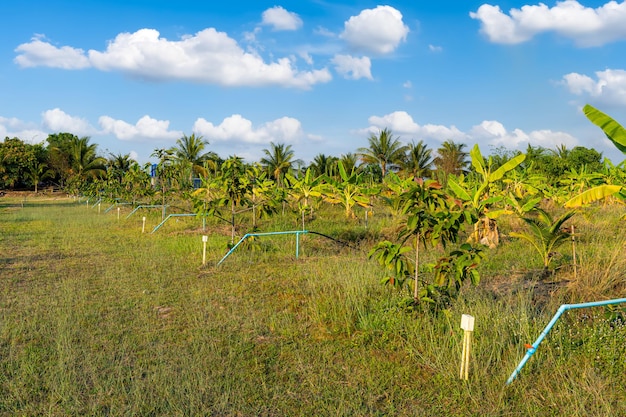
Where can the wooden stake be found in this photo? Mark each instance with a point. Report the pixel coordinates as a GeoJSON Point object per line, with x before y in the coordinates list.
{"type": "Point", "coordinates": [467, 324]}
{"type": "Point", "coordinates": [574, 254]}
{"type": "Point", "coordinates": [204, 241]}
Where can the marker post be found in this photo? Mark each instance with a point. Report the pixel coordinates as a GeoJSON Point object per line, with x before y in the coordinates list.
{"type": "Point", "coordinates": [467, 324]}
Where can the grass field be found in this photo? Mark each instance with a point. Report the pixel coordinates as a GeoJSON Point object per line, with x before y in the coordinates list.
{"type": "Point", "coordinates": [98, 319]}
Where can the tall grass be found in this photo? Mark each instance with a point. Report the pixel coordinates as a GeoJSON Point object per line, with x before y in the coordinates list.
{"type": "Point", "coordinates": [99, 319]}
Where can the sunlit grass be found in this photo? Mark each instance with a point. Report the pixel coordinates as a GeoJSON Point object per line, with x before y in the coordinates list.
{"type": "Point", "coordinates": [97, 318]}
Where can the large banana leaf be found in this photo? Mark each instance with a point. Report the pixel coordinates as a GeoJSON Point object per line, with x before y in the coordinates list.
{"type": "Point", "coordinates": [593, 194]}
{"type": "Point", "coordinates": [613, 130]}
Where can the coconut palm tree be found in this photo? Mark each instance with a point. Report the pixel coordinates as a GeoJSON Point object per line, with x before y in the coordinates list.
{"type": "Point", "coordinates": [350, 162]}
{"type": "Point", "coordinates": [189, 153]}
{"type": "Point", "coordinates": [278, 161]}
{"type": "Point", "coordinates": [451, 158]}
{"type": "Point", "coordinates": [418, 160]}
{"type": "Point", "coordinates": [84, 161]}
{"type": "Point", "coordinates": [384, 150]}
{"type": "Point", "coordinates": [324, 165]}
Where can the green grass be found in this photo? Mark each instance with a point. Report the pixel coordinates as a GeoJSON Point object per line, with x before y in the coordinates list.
{"type": "Point", "coordinates": [99, 319]}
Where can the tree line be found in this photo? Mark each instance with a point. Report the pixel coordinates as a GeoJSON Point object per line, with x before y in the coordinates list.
{"type": "Point", "coordinates": [73, 164]}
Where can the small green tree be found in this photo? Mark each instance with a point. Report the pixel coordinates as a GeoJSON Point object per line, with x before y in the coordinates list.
{"type": "Point", "coordinates": [545, 234]}
{"type": "Point", "coordinates": [349, 192]}
{"type": "Point", "coordinates": [305, 191]}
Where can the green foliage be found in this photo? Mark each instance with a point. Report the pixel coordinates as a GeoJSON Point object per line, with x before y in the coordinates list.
{"type": "Point", "coordinates": [349, 192]}
{"type": "Point", "coordinates": [614, 131]}
{"type": "Point", "coordinates": [393, 257]}
{"type": "Point", "coordinates": [546, 234]}
{"type": "Point", "coordinates": [17, 159]}
{"type": "Point", "coordinates": [383, 150]}
{"type": "Point", "coordinates": [305, 191]}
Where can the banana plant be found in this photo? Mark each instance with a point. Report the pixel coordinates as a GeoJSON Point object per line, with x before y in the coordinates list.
{"type": "Point", "coordinates": [349, 192]}
{"type": "Point", "coordinates": [476, 197]}
{"type": "Point", "coordinates": [616, 133]}
{"type": "Point", "coordinates": [305, 191]}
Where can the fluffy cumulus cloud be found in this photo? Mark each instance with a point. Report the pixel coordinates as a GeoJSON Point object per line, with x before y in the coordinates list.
{"type": "Point", "coordinates": [281, 19]}
{"type": "Point", "coordinates": [11, 127]}
{"type": "Point", "coordinates": [146, 128]}
{"type": "Point", "coordinates": [237, 129]}
{"type": "Point", "coordinates": [608, 87]}
{"type": "Point", "coordinates": [208, 56]}
{"type": "Point", "coordinates": [56, 120]}
{"type": "Point", "coordinates": [379, 30]}
{"type": "Point", "coordinates": [487, 134]}
{"type": "Point", "coordinates": [586, 26]}
{"type": "Point", "coordinates": [494, 133]}
{"type": "Point", "coordinates": [402, 123]}
{"type": "Point", "coordinates": [353, 67]}
{"type": "Point", "coordinates": [38, 52]}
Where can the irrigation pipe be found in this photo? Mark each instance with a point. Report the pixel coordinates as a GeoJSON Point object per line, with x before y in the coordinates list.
{"type": "Point", "coordinates": [178, 215]}
{"type": "Point", "coordinates": [564, 307]}
{"type": "Point", "coordinates": [294, 232]}
{"type": "Point", "coordinates": [144, 206]}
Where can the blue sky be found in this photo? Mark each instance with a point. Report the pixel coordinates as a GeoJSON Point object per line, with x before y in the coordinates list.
{"type": "Point", "coordinates": [135, 75]}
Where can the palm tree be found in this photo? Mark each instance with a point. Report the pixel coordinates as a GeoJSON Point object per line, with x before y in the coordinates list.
{"type": "Point", "coordinates": [189, 153]}
{"type": "Point", "coordinates": [451, 158]}
{"type": "Point", "coordinates": [418, 160]}
{"type": "Point", "coordinates": [324, 165]}
{"type": "Point", "coordinates": [278, 161]}
{"type": "Point", "coordinates": [118, 165]}
{"type": "Point", "coordinates": [384, 150]}
{"type": "Point", "coordinates": [350, 162]}
{"type": "Point", "coordinates": [84, 161]}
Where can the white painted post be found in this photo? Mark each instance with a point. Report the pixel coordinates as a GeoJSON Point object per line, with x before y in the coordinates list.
{"type": "Point", "coordinates": [143, 226]}
{"type": "Point", "coordinates": [118, 213]}
{"type": "Point", "coordinates": [467, 324]}
{"type": "Point", "coordinates": [205, 239]}
{"type": "Point", "coordinates": [98, 208]}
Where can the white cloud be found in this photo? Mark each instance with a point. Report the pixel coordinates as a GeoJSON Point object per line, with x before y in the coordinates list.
{"type": "Point", "coordinates": [487, 133]}
{"type": "Point", "coordinates": [281, 19]}
{"type": "Point", "coordinates": [609, 88]}
{"type": "Point", "coordinates": [407, 84]}
{"type": "Point", "coordinates": [322, 31]}
{"type": "Point", "coordinates": [15, 128]}
{"type": "Point", "coordinates": [493, 133]}
{"type": "Point", "coordinates": [352, 67]}
{"type": "Point", "coordinates": [434, 48]}
{"type": "Point", "coordinates": [378, 30]}
{"type": "Point", "coordinates": [145, 128]}
{"type": "Point", "coordinates": [208, 56]}
{"type": "Point", "coordinates": [58, 121]}
{"type": "Point", "coordinates": [40, 53]}
{"type": "Point", "coordinates": [401, 123]}
{"type": "Point", "coordinates": [586, 26]}
{"type": "Point", "coordinates": [238, 129]}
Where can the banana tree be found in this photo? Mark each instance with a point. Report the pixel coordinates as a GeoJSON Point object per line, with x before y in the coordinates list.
{"type": "Point", "coordinates": [478, 199]}
{"type": "Point", "coordinates": [262, 196]}
{"type": "Point", "coordinates": [349, 192]}
{"type": "Point", "coordinates": [305, 191]}
{"type": "Point", "coordinates": [616, 133]}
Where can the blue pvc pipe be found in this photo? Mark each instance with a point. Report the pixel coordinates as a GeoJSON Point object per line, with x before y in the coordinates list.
{"type": "Point", "coordinates": [544, 333]}
{"type": "Point", "coordinates": [115, 204]}
{"type": "Point", "coordinates": [168, 217]}
{"type": "Point", "coordinates": [143, 206]}
{"type": "Point", "coordinates": [247, 235]}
